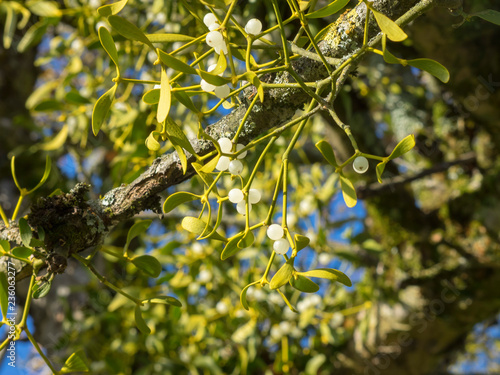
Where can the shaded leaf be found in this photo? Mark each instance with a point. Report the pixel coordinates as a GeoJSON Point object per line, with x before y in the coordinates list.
{"type": "Point", "coordinates": [213, 78]}
{"type": "Point", "coordinates": [231, 247]}
{"type": "Point", "coordinates": [348, 191]}
{"type": "Point", "coordinates": [380, 169]}
{"type": "Point", "coordinates": [206, 177]}
{"type": "Point", "coordinates": [246, 241]}
{"type": "Point", "coordinates": [175, 63]}
{"type": "Point", "coordinates": [128, 30]}
{"type": "Point", "coordinates": [5, 245]}
{"type": "Point", "coordinates": [4, 294]}
{"type": "Point", "coordinates": [166, 300]}
{"type": "Point", "coordinates": [328, 273]}
{"type": "Point", "coordinates": [56, 142]}
{"type": "Point", "coordinates": [177, 136]}
{"type": "Point", "coordinates": [185, 100]}
{"type": "Point", "coordinates": [489, 15]}
{"type": "Point", "coordinates": [139, 321]}
{"type": "Point", "coordinates": [301, 241]}
{"type": "Point", "coordinates": [328, 10]}
{"type": "Point", "coordinates": [148, 264]}
{"type": "Point", "coordinates": [32, 36]}
{"type": "Point", "coordinates": [41, 290]}
{"type": "Point", "coordinates": [243, 294]}
{"type": "Point", "coordinates": [44, 8]}
{"type": "Point", "coordinates": [25, 231]}
{"type": "Point", "coordinates": [252, 77]}
{"type": "Point", "coordinates": [137, 229]}
{"type": "Point", "coordinates": [304, 284]}
{"type": "Point", "coordinates": [101, 109]}
{"type": "Point", "coordinates": [22, 252]}
{"type": "Point", "coordinates": [177, 199]}
{"type": "Point", "coordinates": [151, 96]}
{"type": "Point", "coordinates": [327, 152]}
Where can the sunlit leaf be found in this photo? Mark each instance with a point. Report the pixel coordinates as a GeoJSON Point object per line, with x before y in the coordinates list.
{"type": "Point", "coordinates": [128, 30]}
{"type": "Point", "coordinates": [206, 177]}
{"type": "Point", "coordinates": [328, 273]}
{"type": "Point", "coordinates": [109, 45]}
{"type": "Point", "coordinates": [283, 275]}
{"type": "Point", "coordinates": [327, 152]}
{"type": "Point", "coordinates": [165, 100]}
{"type": "Point", "coordinates": [110, 9]}
{"type": "Point", "coordinates": [328, 10]}
{"type": "Point", "coordinates": [44, 8]}
{"type": "Point", "coordinates": [168, 38]}
{"type": "Point", "coordinates": [197, 226]}
{"type": "Point", "coordinates": [4, 245]}
{"type": "Point", "coordinates": [56, 142]}
{"type": "Point", "coordinates": [10, 25]}
{"type": "Point", "coordinates": [139, 321]}
{"type": "Point", "coordinates": [101, 109]}
{"type": "Point", "coordinates": [213, 78]}
{"type": "Point", "coordinates": [221, 65]}
{"type": "Point", "coordinates": [246, 241]}
{"type": "Point", "coordinates": [301, 241]}
{"type": "Point", "coordinates": [252, 77]}
{"type": "Point", "coordinates": [243, 294]}
{"type": "Point", "coordinates": [151, 141]}
{"type": "Point", "coordinates": [348, 191]}
{"type": "Point", "coordinates": [405, 145]}
{"type": "Point", "coordinates": [389, 27]}
{"type": "Point", "coordinates": [148, 264]}
{"type": "Point", "coordinates": [151, 96]}
{"type": "Point", "coordinates": [177, 199]}
{"type": "Point", "coordinates": [77, 362]}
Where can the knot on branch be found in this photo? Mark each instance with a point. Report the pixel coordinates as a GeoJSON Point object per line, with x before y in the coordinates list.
{"type": "Point", "coordinates": [70, 222]}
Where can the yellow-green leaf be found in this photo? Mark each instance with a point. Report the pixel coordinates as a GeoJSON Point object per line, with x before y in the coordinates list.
{"type": "Point", "coordinates": [328, 10]}
{"type": "Point", "coordinates": [246, 241]}
{"type": "Point", "coordinates": [197, 227]}
{"type": "Point", "coordinates": [221, 65]}
{"type": "Point", "coordinates": [177, 199]}
{"type": "Point", "coordinates": [44, 8]}
{"type": "Point", "coordinates": [25, 231]}
{"type": "Point", "coordinates": [184, 98]}
{"type": "Point", "coordinates": [22, 252]}
{"type": "Point", "coordinates": [56, 142]}
{"type": "Point", "coordinates": [77, 362]}
{"type": "Point", "coordinates": [165, 97]}
{"type": "Point", "coordinates": [348, 191]}
{"type": "Point", "coordinates": [4, 294]}
{"type": "Point", "coordinates": [4, 245]}
{"type": "Point", "coordinates": [328, 273]}
{"type": "Point", "coordinates": [210, 166]}
{"type": "Point", "coordinates": [177, 136]}
{"type": "Point", "coordinates": [109, 45]}
{"type": "Point", "coordinates": [147, 264]}
{"type": "Point", "coordinates": [283, 275]}
{"type": "Point", "coordinates": [128, 30]}
{"type": "Point", "coordinates": [243, 294]}
{"type": "Point", "coordinates": [41, 290]}
{"type": "Point", "coordinates": [389, 27]}
{"type": "Point", "coordinates": [166, 300]}
{"type": "Point", "coordinates": [10, 25]}
{"type": "Point", "coordinates": [136, 230]}
{"type": "Point", "coordinates": [405, 145]}
{"type": "Point", "coordinates": [151, 96]}
{"type": "Point", "coordinates": [252, 77]}
{"type": "Point", "coordinates": [212, 78]}
{"type": "Point", "coordinates": [327, 152]}
{"type": "Point", "coordinates": [110, 9]}
{"type": "Point", "coordinates": [175, 63]}
{"type": "Point", "coordinates": [139, 321]}
{"type": "Point", "coordinates": [301, 241]}
{"type": "Point", "coordinates": [432, 67]}
{"type": "Point", "coordinates": [101, 109]}
{"type": "Point", "coordinates": [304, 284]}
{"type": "Point", "coordinates": [151, 141]}
{"type": "Point", "coordinates": [206, 177]}
{"type": "Point", "coordinates": [231, 247]}
{"type": "Point", "coordinates": [168, 38]}
{"type": "Point", "coordinates": [33, 36]}
{"type": "Point", "coordinates": [380, 169]}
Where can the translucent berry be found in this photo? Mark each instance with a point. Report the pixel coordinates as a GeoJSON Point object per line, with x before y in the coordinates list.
{"type": "Point", "coordinates": [242, 208]}
{"type": "Point", "coordinates": [214, 39]}
{"type": "Point", "coordinates": [235, 167]}
{"type": "Point", "coordinates": [223, 163]}
{"type": "Point", "coordinates": [236, 196]}
{"type": "Point", "coordinates": [207, 87]}
{"type": "Point", "coordinates": [254, 26]}
{"type": "Point", "coordinates": [209, 19]}
{"type": "Point", "coordinates": [221, 48]}
{"type": "Point", "coordinates": [281, 246]}
{"type": "Point", "coordinates": [239, 146]}
{"type": "Point", "coordinates": [254, 196]}
{"type": "Point", "coordinates": [360, 164]}
{"type": "Point", "coordinates": [222, 92]}
{"type": "Point", "coordinates": [222, 307]}
{"type": "Point", "coordinates": [225, 144]}
{"type": "Point", "coordinates": [275, 232]}
{"type": "Point", "coordinates": [213, 26]}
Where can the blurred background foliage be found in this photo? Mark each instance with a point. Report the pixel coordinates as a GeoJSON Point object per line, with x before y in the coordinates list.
{"type": "Point", "coordinates": [409, 245]}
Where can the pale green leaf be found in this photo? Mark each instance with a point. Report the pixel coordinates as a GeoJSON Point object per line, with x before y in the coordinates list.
{"type": "Point", "coordinates": [231, 247]}
{"type": "Point", "coordinates": [246, 241]}
{"type": "Point", "coordinates": [109, 45]}
{"type": "Point", "coordinates": [301, 241]}
{"type": "Point", "coordinates": [110, 9]}
{"type": "Point", "coordinates": [10, 25]}
{"type": "Point", "coordinates": [328, 10]}
{"type": "Point", "coordinates": [380, 169]}
{"type": "Point", "coordinates": [165, 100]}
{"type": "Point", "coordinates": [166, 300]}
{"type": "Point", "coordinates": [56, 142]}
{"type": "Point", "coordinates": [177, 199]}
{"type": "Point", "coordinates": [283, 275]}
{"type": "Point", "coordinates": [431, 67]}
{"type": "Point", "coordinates": [151, 96]}
{"type": "Point", "coordinates": [328, 273]}
{"type": "Point", "coordinates": [304, 284]}
{"type": "Point", "coordinates": [405, 145]}
{"type": "Point", "coordinates": [44, 8]}
{"type": "Point", "coordinates": [389, 27]}
{"type": "Point", "coordinates": [174, 63]}
{"type": "Point", "coordinates": [101, 109]}
{"type": "Point", "coordinates": [168, 38]}
{"type": "Point", "coordinates": [151, 141]}
{"type": "Point", "coordinates": [327, 152]}
{"type": "Point", "coordinates": [197, 227]}
{"type": "Point", "coordinates": [348, 191]}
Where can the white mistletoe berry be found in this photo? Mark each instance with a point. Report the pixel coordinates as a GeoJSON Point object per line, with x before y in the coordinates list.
{"type": "Point", "coordinates": [236, 196]}
{"type": "Point", "coordinates": [215, 39]}
{"type": "Point", "coordinates": [207, 87]}
{"type": "Point", "coordinates": [254, 26]}
{"type": "Point", "coordinates": [254, 196]}
{"type": "Point", "coordinates": [360, 164]}
{"type": "Point", "coordinates": [223, 163]}
{"type": "Point", "coordinates": [213, 26]}
{"type": "Point", "coordinates": [235, 167]}
{"type": "Point", "coordinates": [225, 144]}
{"type": "Point", "coordinates": [281, 246]}
{"type": "Point", "coordinates": [209, 19]}
{"type": "Point", "coordinates": [222, 92]}
{"type": "Point", "coordinates": [275, 232]}
{"type": "Point", "coordinates": [242, 208]}
{"type": "Point", "coordinates": [239, 146]}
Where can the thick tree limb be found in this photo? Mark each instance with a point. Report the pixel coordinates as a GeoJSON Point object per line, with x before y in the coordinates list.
{"type": "Point", "coordinates": [72, 224]}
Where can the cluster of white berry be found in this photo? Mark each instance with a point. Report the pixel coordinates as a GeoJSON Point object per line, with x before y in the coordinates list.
{"type": "Point", "coordinates": [254, 26]}
{"type": "Point", "coordinates": [235, 166]}
{"type": "Point", "coordinates": [214, 38]}
{"type": "Point", "coordinates": [275, 232]}
{"type": "Point", "coordinates": [237, 196]}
